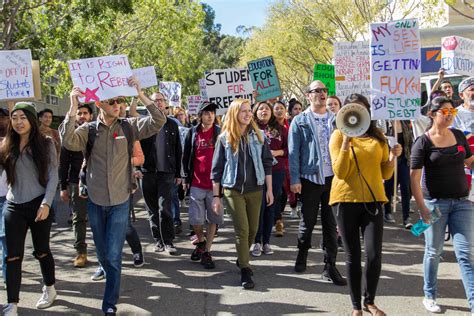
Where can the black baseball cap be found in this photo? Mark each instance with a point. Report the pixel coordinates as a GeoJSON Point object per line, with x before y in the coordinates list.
{"type": "Point", "coordinates": [207, 106]}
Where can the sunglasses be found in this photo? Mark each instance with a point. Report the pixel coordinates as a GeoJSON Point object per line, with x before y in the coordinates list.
{"type": "Point", "coordinates": [167, 108]}
{"type": "Point", "coordinates": [318, 90]}
{"type": "Point", "coordinates": [446, 111]}
{"type": "Point", "coordinates": [118, 101]}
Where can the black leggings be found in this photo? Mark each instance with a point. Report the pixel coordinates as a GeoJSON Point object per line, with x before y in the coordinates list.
{"type": "Point", "coordinates": [18, 218]}
{"type": "Point", "coordinates": [352, 220]}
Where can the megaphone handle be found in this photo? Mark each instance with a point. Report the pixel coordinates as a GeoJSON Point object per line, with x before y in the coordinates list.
{"type": "Point", "coordinates": [394, 197]}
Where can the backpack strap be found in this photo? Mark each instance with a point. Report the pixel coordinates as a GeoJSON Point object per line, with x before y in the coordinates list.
{"type": "Point", "coordinates": [93, 128]}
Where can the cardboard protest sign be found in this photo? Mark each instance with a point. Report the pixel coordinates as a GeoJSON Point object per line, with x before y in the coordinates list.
{"type": "Point", "coordinates": [16, 75]}
{"type": "Point", "coordinates": [457, 55]}
{"type": "Point", "coordinates": [202, 89]}
{"type": "Point", "coordinates": [395, 69]}
{"type": "Point", "coordinates": [264, 78]}
{"type": "Point", "coordinates": [102, 78]}
{"type": "Point", "coordinates": [325, 74]}
{"type": "Point", "coordinates": [225, 85]}
{"type": "Point", "coordinates": [146, 76]}
{"type": "Point", "coordinates": [172, 92]}
{"type": "Point", "coordinates": [352, 68]}
{"type": "Point", "coordinates": [193, 104]}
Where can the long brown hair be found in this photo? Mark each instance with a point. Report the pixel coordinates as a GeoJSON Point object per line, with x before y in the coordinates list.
{"type": "Point", "coordinates": [232, 126]}
{"type": "Point", "coordinates": [373, 130]}
{"type": "Point", "coordinates": [37, 147]}
{"type": "Point", "coordinates": [272, 125]}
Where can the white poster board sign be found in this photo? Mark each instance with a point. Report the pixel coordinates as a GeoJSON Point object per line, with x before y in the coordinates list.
{"type": "Point", "coordinates": [16, 75]}
{"type": "Point", "coordinates": [202, 89]}
{"type": "Point", "coordinates": [172, 91]}
{"type": "Point", "coordinates": [352, 68]}
{"type": "Point", "coordinates": [395, 70]}
{"type": "Point", "coordinates": [225, 85]}
{"type": "Point", "coordinates": [102, 78]}
{"type": "Point", "coordinates": [193, 104]}
{"type": "Point", "coordinates": [146, 76]}
{"type": "Point", "coordinates": [457, 55]}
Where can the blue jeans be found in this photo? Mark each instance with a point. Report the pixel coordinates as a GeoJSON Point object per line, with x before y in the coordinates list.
{"type": "Point", "coordinates": [267, 213]}
{"type": "Point", "coordinates": [3, 244]}
{"type": "Point", "coordinates": [459, 215]}
{"type": "Point", "coordinates": [109, 225]}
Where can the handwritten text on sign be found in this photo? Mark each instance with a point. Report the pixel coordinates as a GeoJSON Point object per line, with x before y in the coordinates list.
{"type": "Point", "coordinates": [102, 78]}
{"type": "Point", "coordinates": [172, 91]}
{"type": "Point", "coordinates": [146, 76]}
{"type": "Point", "coordinates": [225, 85]}
{"type": "Point", "coordinates": [325, 74]}
{"type": "Point", "coordinates": [457, 55]}
{"type": "Point", "coordinates": [16, 78]}
{"type": "Point", "coordinates": [264, 78]}
{"type": "Point", "coordinates": [193, 104]}
{"type": "Point", "coordinates": [352, 68]}
{"type": "Point", "coordinates": [395, 68]}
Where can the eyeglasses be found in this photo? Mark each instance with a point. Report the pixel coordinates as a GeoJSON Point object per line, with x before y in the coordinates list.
{"type": "Point", "coordinates": [318, 90]}
{"type": "Point", "coordinates": [118, 101]}
{"type": "Point", "coordinates": [446, 111]}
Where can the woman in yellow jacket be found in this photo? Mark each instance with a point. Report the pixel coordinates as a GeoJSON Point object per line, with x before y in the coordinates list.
{"type": "Point", "coordinates": [356, 198]}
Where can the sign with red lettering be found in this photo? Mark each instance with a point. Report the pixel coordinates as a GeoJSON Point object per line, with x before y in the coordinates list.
{"type": "Point", "coordinates": [16, 75]}
{"type": "Point", "coordinates": [395, 70]}
{"type": "Point", "coordinates": [264, 78]}
{"type": "Point", "coordinates": [352, 68]}
{"type": "Point", "coordinates": [193, 104]}
{"type": "Point", "coordinates": [102, 78]}
{"type": "Point", "coordinates": [457, 55]}
{"type": "Point", "coordinates": [225, 85]}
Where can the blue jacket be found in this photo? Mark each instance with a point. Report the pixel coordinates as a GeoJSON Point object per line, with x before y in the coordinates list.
{"type": "Point", "coordinates": [303, 147]}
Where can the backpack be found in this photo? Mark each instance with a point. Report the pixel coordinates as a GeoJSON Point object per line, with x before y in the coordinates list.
{"type": "Point", "coordinates": [129, 134]}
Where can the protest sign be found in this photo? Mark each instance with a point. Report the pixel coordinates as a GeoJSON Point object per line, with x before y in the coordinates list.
{"type": "Point", "coordinates": [325, 74]}
{"type": "Point", "coordinates": [102, 78]}
{"type": "Point", "coordinates": [193, 104]}
{"type": "Point", "coordinates": [352, 68]}
{"type": "Point", "coordinates": [146, 76]}
{"type": "Point", "coordinates": [172, 92]}
{"type": "Point", "coordinates": [225, 85]}
{"type": "Point", "coordinates": [264, 78]}
{"type": "Point", "coordinates": [16, 75]}
{"type": "Point", "coordinates": [430, 59]}
{"type": "Point", "coordinates": [395, 68]}
{"type": "Point", "coordinates": [202, 89]}
{"type": "Point", "coordinates": [457, 55]}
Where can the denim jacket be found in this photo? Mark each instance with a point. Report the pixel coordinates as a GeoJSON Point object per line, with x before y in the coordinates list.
{"type": "Point", "coordinates": [229, 175]}
{"type": "Point", "coordinates": [304, 148]}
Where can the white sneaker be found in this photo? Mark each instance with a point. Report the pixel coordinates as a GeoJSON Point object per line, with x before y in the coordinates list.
{"type": "Point", "coordinates": [48, 297]}
{"type": "Point", "coordinates": [294, 213]}
{"type": "Point", "coordinates": [171, 249]}
{"type": "Point", "coordinates": [431, 305]}
{"type": "Point", "coordinates": [257, 250]}
{"type": "Point", "coordinates": [10, 309]}
{"type": "Point", "coordinates": [267, 250]}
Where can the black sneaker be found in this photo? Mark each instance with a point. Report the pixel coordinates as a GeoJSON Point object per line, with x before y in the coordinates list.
{"type": "Point", "coordinates": [159, 247]}
{"type": "Point", "coordinates": [407, 224]}
{"type": "Point", "coordinates": [330, 273]}
{"type": "Point", "coordinates": [238, 266]}
{"type": "Point", "coordinates": [300, 264]}
{"type": "Point", "coordinates": [340, 245]}
{"type": "Point", "coordinates": [198, 251]}
{"type": "Point", "coordinates": [388, 218]}
{"type": "Point", "coordinates": [206, 260]}
{"type": "Point", "coordinates": [138, 260]}
{"type": "Point", "coordinates": [246, 279]}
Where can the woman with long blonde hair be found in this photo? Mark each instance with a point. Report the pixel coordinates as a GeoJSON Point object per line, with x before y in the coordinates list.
{"type": "Point", "coordinates": [241, 165]}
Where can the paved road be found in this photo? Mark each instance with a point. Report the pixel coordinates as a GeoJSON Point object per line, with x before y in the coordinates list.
{"type": "Point", "coordinates": [174, 285]}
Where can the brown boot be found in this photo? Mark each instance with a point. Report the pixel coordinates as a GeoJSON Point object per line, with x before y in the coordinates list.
{"type": "Point", "coordinates": [80, 260]}
{"type": "Point", "coordinates": [279, 228]}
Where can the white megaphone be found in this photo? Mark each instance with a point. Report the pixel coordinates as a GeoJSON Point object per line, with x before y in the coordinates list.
{"type": "Point", "coordinates": [353, 120]}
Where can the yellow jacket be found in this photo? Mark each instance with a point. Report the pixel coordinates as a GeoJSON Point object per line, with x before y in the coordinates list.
{"type": "Point", "coordinates": [372, 156]}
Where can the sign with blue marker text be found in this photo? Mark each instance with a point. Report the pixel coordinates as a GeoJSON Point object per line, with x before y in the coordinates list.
{"type": "Point", "coordinates": [457, 55]}
{"type": "Point", "coordinates": [225, 85]}
{"type": "Point", "coordinates": [264, 78]}
{"type": "Point", "coordinates": [16, 75]}
{"type": "Point", "coordinates": [395, 70]}
{"type": "Point", "coordinates": [172, 92]}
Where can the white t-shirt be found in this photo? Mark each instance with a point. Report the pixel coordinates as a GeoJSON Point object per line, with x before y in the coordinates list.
{"type": "Point", "coordinates": [3, 184]}
{"type": "Point", "coordinates": [323, 131]}
{"type": "Point", "coordinates": [464, 121]}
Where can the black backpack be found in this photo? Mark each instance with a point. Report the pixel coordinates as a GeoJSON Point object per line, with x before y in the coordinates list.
{"type": "Point", "coordinates": [129, 134]}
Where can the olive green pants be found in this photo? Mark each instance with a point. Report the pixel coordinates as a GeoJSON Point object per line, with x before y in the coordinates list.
{"type": "Point", "coordinates": [245, 212]}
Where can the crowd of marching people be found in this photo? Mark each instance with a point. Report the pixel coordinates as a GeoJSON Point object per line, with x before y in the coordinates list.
{"type": "Point", "coordinates": [252, 161]}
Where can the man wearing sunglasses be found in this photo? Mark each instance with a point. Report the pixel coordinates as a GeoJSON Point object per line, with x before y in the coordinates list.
{"type": "Point", "coordinates": [161, 172]}
{"type": "Point", "coordinates": [311, 176]}
{"type": "Point", "coordinates": [465, 118]}
{"type": "Point", "coordinates": [109, 177]}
